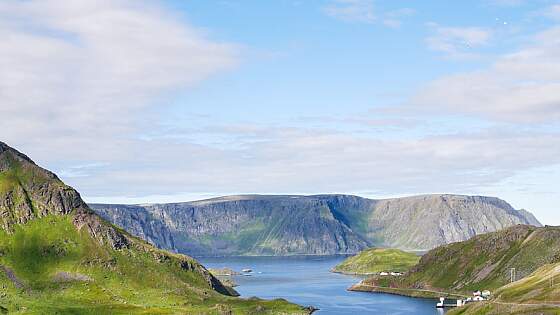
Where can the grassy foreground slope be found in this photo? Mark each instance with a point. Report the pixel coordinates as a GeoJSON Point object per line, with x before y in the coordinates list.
{"type": "Point", "coordinates": [483, 262]}
{"type": "Point", "coordinates": [538, 293]}
{"type": "Point", "coordinates": [58, 257]}
{"type": "Point", "coordinates": [375, 260]}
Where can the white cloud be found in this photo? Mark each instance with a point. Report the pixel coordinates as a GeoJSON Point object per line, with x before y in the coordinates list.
{"type": "Point", "coordinates": [457, 42]}
{"type": "Point", "coordinates": [507, 3]}
{"type": "Point", "coordinates": [394, 18]}
{"type": "Point", "coordinates": [85, 68]}
{"type": "Point", "coordinates": [288, 160]}
{"type": "Point", "coordinates": [80, 81]}
{"type": "Point", "coordinates": [352, 10]}
{"type": "Point", "coordinates": [520, 87]}
{"type": "Point", "coordinates": [552, 12]}
{"type": "Point", "coordinates": [364, 11]}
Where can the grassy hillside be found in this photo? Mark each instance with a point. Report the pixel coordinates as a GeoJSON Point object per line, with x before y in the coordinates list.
{"type": "Point", "coordinates": [375, 260]}
{"type": "Point", "coordinates": [58, 257]}
{"type": "Point", "coordinates": [536, 293]}
{"type": "Point", "coordinates": [483, 262]}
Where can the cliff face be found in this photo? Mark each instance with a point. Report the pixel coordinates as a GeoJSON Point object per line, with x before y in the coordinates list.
{"type": "Point", "coordinates": [424, 222]}
{"type": "Point", "coordinates": [322, 224]}
{"type": "Point", "coordinates": [243, 225]}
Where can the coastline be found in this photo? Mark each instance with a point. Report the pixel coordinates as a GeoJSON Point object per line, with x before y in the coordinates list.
{"type": "Point", "coordinates": [349, 273]}
{"type": "Point", "coordinates": [415, 293]}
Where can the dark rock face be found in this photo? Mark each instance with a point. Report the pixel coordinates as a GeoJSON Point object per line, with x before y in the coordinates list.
{"type": "Point", "coordinates": [264, 226]}
{"type": "Point", "coordinates": [322, 224]}
{"type": "Point", "coordinates": [28, 191]}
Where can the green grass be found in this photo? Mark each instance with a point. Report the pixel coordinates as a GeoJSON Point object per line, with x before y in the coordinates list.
{"type": "Point", "coordinates": [128, 281]}
{"type": "Point", "coordinates": [488, 308]}
{"type": "Point", "coordinates": [377, 260]}
{"type": "Point", "coordinates": [484, 263]}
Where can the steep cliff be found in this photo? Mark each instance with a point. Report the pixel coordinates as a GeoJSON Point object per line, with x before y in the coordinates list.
{"type": "Point", "coordinates": [321, 224]}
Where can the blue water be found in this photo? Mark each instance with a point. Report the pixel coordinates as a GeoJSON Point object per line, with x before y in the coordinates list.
{"type": "Point", "coordinates": [307, 281]}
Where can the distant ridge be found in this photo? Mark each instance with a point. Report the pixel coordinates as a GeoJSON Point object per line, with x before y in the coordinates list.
{"type": "Point", "coordinates": [316, 224]}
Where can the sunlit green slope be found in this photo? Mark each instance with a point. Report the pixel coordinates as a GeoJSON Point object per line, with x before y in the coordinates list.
{"type": "Point", "coordinates": [58, 257]}
{"type": "Point", "coordinates": [375, 260]}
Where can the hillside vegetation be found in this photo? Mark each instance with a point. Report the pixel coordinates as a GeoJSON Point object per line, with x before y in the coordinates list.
{"type": "Point", "coordinates": [483, 262]}
{"type": "Point", "coordinates": [538, 293]}
{"type": "Point", "coordinates": [58, 257]}
{"type": "Point", "coordinates": [376, 260]}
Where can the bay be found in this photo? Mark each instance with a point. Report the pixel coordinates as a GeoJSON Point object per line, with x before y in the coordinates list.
{"type": "Point", "coordinates": [307, 280]}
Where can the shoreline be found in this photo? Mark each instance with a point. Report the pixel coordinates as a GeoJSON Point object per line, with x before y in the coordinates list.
{"type": "Point", "coordinates": [414, 293]}
{"type": "Point", "coordinates": [349, 273]}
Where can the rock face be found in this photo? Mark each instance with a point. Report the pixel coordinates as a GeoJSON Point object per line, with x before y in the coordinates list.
{"type": "Point", "coordinates": [29, 192]}
{"type": "Point", "coordinates": [321, 224]}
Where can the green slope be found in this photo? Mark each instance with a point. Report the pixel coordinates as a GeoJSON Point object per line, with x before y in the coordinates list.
{"type": "Point", "coordinates": [483, 262]}
{"type": "Point", "coordinates": [375, 260]}
{"type": "Point", "coordinates": [535, 294]}
{"type": "Point", "coordinates": [58, 257]}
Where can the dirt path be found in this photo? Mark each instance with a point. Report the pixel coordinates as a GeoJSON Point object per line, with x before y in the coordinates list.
{"type": "Point", "coordinates": [405, 290]}
{"type": "Point", "coordinates": [526, 304]}
{"type": "Point", "coordinates": [12, 276]}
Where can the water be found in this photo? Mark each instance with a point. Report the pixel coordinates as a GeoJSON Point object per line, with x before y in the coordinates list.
{"type": "Point", "coordinates": [307, 281]}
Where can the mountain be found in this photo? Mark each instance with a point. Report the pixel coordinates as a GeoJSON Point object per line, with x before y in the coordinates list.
{"type": "Point", "coordinates": [377, 260]}
{"type": "Point", "coordinates": [58, 257]}
{"type": "Point", "coordinates": [321, 224]}
{"type": "Point", "coordinates": [482, 263]}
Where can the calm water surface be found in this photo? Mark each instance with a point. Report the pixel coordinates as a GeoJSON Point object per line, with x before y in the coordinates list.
{"type": "Point", "coordinates": [307, 281]}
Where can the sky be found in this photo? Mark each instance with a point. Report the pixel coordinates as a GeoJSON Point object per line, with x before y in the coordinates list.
{"type": "Point", "coordinates": [133, 101]}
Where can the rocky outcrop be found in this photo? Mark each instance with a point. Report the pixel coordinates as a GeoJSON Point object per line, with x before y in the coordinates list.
{"type": "Point", "coordinates": [321, 224]}
{"type": "Point", "coordinates": [28, 191]}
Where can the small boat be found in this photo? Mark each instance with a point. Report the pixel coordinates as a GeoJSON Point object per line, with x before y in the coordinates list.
{"type": "Point", "coordinates": [247, 270]}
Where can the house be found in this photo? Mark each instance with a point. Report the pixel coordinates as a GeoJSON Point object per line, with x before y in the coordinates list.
{"type": "Point", "coordinates": [384, 273]}
{"type": "Point", "coordinates": [477, 293]}
{"type": "Point", "coordinates": [485, 294]}
{"type": "Point", "coordinates": [478, 298]}
{"type": "Point", "coordinates": [396, 273]}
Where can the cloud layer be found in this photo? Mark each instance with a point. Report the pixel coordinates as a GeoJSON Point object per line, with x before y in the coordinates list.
{"type": "Point", "coordinates": [82, 84]}
{"type": "Point", "coordinates": [86, 68]}
{"type": "Point", "coordinates": [519, 87]}
{"type": "Point", "coordinates": [456, 42]}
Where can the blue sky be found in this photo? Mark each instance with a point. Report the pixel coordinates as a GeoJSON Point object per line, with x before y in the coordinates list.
{"type": "Point", "coordinates": [151, 101]}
